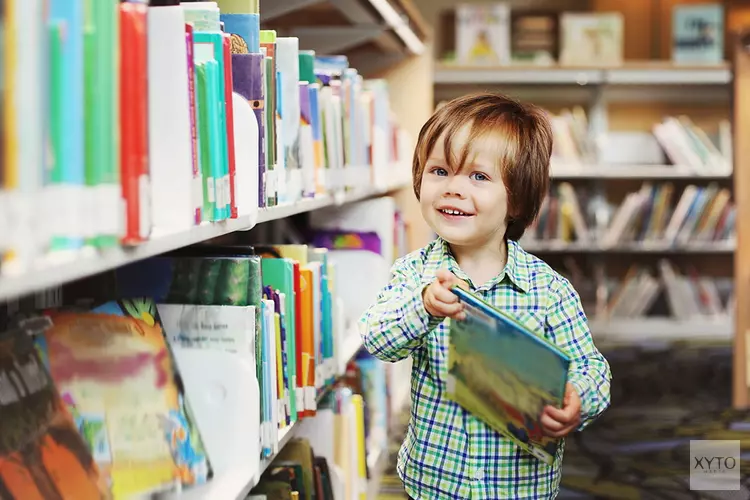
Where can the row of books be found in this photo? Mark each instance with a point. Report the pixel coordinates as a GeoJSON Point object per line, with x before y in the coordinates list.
{"type": "Point", "coordinates": [276, 308]}
{"type": "Point", "coordinates": [124, 121]}
{"type": "Point", "coordinates": [655, 214]}
{"type": "Point", "coordinates": [665, 289]}
{"type": "Point", "coordinates": [676, 140]}
{"type": "Point", "coordinates": [333, 453]}
{"type": "Point", "coordinates": [688, 294]}
{"type": "Point", "coordinates": [327, 460]}
{"type": "Point", "coordinates": [495, 33]}
{"type": "Point", "coordinates": [113, 418]}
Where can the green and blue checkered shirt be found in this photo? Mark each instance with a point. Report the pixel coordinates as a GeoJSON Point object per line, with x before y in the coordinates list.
{"type": "Point", "coordinates": [448, 453]}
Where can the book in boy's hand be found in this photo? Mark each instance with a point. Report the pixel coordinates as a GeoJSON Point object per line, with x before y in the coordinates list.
{"type": "Point", "coordinates": [505, 374]}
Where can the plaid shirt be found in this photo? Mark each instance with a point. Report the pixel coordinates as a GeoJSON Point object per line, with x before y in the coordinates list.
{"type": "Point", "coordinates": [448, 453]}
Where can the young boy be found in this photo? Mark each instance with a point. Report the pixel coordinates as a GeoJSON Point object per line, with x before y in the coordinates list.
{"type": "Point", "coordinates": [481, 172]}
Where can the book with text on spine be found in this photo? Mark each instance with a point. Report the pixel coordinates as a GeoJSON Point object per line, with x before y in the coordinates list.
{"type": "Point", "coordinates": [505, 374]}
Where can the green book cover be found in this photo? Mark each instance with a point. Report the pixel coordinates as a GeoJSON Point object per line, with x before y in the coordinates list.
{"type": "Point", "coordinates": [102, 118]}
{"type": "Point", "coordinates": [279, 274]}
{"type": "Point", "coordinates": [204, 142]}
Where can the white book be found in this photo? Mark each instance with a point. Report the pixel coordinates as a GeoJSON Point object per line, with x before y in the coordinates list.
{"type": "Point", "coordinates": [483, 34]}
{"type": "Point", "coordinates": [170, 140]}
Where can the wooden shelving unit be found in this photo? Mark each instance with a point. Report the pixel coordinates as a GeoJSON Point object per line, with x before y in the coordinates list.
{"type": "Point", "coordinates": [741, 392]}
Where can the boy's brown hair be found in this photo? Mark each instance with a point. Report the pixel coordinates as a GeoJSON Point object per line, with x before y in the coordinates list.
{"type": "Point", "coordinates": [525, 157]}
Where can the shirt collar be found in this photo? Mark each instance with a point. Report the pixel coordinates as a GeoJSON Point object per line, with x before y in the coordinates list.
{"type": "Point", "coordinates": [516, 268]}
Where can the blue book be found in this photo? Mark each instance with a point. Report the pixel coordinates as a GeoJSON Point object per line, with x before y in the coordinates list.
{"type": "Point", "coordinates": [215, 132]}
{"type": "Point", "coordinates": [698, 34]}
{"type": "Point", "coordinates": [67, 15]}
{"type": "Point", "coordinates": [245, 31]}
{"type": "Point", "coordinates": [505, 374]}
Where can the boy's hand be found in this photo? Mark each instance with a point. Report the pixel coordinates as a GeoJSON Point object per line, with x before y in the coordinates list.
{"type": "Point", "coordinates": [559, 422]}
{"type": "Point", "coordinates": [438, 298]}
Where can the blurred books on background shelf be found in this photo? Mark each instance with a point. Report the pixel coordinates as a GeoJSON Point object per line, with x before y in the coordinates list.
{"type": "Point", "coordinates": [656, 216]}
{"type": "Point", "coordinates": [499, 34]}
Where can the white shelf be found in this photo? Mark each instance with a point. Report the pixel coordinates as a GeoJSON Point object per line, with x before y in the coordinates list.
{"type": "Point", "coordinates": [52, 274]}
{"type": "Point", "coordinates": [647, 73]}
{"type": "Point", "coordinates": [661, 330]}
{"type": "Point", "coordinates": [631, 172]}
{"type": "Point", "coordinates": [528, 75]}
{"type": "Point", "coordinates": [655, 247]}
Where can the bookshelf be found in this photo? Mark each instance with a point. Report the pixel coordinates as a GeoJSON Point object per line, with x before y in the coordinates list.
{"type": "Point", "coordinates": [252, 404]}
{"type": "Point", "coordinates": [741, 379]}
{"type": "Point", "coordinates": [615, 136]}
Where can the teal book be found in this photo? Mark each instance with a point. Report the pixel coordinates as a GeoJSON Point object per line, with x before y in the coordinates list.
{"type": "Point", "coordinates": [210, 47]}
{"type": "Point", "coordinates": [216, 133]}
{"type": "Point", "coordinates": [66, 101]}
{"type": "Point", "coordinates": [505, 374]}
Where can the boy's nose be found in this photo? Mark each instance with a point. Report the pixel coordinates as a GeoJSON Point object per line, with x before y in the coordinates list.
{"type": "Point", "coordinates": [456, 186]}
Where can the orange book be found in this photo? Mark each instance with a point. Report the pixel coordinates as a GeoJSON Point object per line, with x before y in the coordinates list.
{"type": "Point", "coordinates": [307, 341]}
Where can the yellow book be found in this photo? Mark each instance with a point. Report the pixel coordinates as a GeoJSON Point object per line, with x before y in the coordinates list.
{"type": "Point", "coordinates": [361, 458]}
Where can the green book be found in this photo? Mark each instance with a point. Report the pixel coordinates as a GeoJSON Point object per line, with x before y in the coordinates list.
{"type": "Point", "coordinates": [279, 274]}
{"type": "Point", "coordinates": [204, 142]}
{"type": "Point", "coordinates": [102, 118]}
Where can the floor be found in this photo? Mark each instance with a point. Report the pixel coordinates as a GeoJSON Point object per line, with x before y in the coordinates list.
{"type": "Point", "coordinates": [639, 449]}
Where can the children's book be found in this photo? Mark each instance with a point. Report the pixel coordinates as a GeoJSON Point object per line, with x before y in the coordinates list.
{"type": "Point", "coordinates": [505, 374]}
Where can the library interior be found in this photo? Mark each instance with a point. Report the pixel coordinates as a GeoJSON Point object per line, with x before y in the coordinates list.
{"type": "Point", "coordinates": [279, 136]}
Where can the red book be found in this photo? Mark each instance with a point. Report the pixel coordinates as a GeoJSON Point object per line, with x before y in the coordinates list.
{"type": "Point", "coordinates": [134, 168]}
{"type": "Point", "coordinates": [228, 88]}
{"type": "Point", "coordinates": [198, 199]}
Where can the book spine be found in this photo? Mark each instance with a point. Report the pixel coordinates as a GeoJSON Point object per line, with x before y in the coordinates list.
{"type": "Point", "coordinates": [197, 177]}
{"type": "Point", "coordinates": [215, 132]}
{"type": "Point", "coordinates": [204, 143]}
{"type": "Point", "coordinates": [134, 121]}
{"type": "Point", "coordinates": [257, 99]}
{"type": "Point", "coordinates": [228, 89]}
{"type": "Point", "coordinates": [269, 107]}
{"type": "Point", "coordinates": [102, 121]}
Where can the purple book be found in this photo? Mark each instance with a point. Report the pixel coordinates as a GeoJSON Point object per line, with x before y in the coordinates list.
{"type": "Point", "coordinates": [248, 76]}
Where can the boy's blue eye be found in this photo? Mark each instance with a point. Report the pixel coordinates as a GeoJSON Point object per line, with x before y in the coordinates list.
{"type": "Point", "coordinates": [439, 171]}
{"type": "Point", "coordinates": [478, 176]}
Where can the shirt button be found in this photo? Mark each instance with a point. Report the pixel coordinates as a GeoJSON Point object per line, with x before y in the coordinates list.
{"type": "Point", "coordinates": [478, 475]}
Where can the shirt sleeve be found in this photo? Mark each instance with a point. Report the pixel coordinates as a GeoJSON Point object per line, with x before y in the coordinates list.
{"type": "Point", "coordinates": [589, 371]}
{"type": "Point", "coordinates": [397, 323]}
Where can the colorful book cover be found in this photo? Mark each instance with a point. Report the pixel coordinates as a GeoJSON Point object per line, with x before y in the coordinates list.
{"type": "Point", "coordinates": [134, 121]}
{"type": "Point", "coordinates": [483, 33]}
{"type": "Point", "coordinates": [698, 33]}
{"type": "Point", "coordinates": [42, 451]}
{"type": "Point", "coordinates": [242, 20]}
{"type": "Point", "coordinates": [197, 176]}
{"type": "Point", "coordinates": [505, 374]}
{"type": "Point", "coordinates": [115, 370]}
{"type": "Point", "coordinates": [229, 86]}
{"type": "Point", "coordinates": [272, 168]}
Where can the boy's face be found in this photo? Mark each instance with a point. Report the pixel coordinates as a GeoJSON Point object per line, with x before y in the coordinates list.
{"type": "Point", "coordinates": [467, 207]}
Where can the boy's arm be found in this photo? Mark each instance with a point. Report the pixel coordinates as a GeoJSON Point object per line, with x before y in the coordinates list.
{"type": "Point", "coordinates": [396, 325]}
{"type": "Point", "coordinates": [589, 371]}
